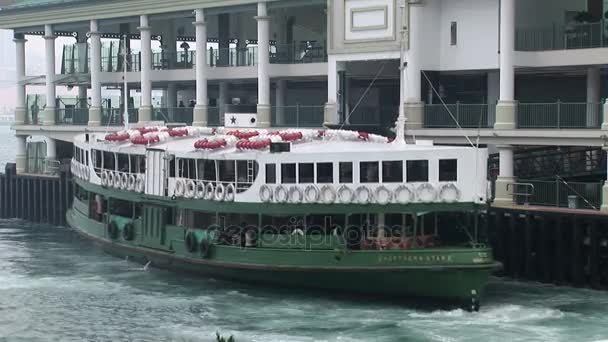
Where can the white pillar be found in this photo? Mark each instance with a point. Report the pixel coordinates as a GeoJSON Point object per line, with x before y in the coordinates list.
{"type": "Point", "coordinates": [593, 96]}
{"type": "Point", "coordinates": [95, 110]}
{"type": "Point", "coordinates": [222, 100]}
{"type": "Point", "coordinates": [145, 109]}
{"type": "Point", "coordinates": [263, 109]}
{"type": "Point", "coordinates": [413, 69]}
{"type": "Point", "coordinates": [330, 115]}
{"type": "Point", "coordinates": [21, 155]}
{"type": "Point", "coordinates": [604, 206]}
{"type": "Point", "coordinates": [49, 45]}
{"type": "Point", "coordinates": [506, 109]}
{"type": "Point", "coordinates": [200, 115]}
{"type": "Point", "coordinates": [51, 149]}
{"type": "Point", "coordinates": [281, 89]}
{"type": "Point", "coordinates": [82, 97]}
{"type": "Point", "coordinates": [505, 175]}
{"type": "Point", "coordinates": [21, 108]}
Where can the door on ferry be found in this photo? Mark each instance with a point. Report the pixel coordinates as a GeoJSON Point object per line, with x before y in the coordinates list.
{"type": "Point", "coordinates": [154, 226]}
{"type": "Point", "coordinates": [156, 172]}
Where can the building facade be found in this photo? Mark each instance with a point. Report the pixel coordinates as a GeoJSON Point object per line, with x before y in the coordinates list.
{"type": "Point", "coordinates": [516, 75]}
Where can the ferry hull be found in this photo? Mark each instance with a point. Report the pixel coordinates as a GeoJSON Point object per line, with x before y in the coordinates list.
{"type": "Point", "coordinates": [460, 284]}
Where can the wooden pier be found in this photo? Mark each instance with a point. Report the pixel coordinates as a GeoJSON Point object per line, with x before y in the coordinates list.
{"type": "Point", "coordinates": [36, 198]}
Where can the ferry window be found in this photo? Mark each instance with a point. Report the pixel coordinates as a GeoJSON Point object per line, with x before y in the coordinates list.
{"type": "Point", "coordinates": [241, 171]}
{"type": "Point", "coordinates": [209, 170]}
{"type": "Point", "coordinates": [226, 170]}
{"type": "Point", "coordinates": [417, 170]}
{"type": "Point", "coordinates": [288, 173]}
{"type": "Point", "coordinates": [123, 162]}
{"type": "Point", "coordinates": [448, 170]}
{"type": "Point", "coordinates": [306, 173]}
{"type": "Point", "coordinates": [346, 172]}
{"type": "Point", "coordinates": [108, 160]}
{"type": "Point", "coordinates": [134, 165]}
{"type": "Point", "coordinates": [392, 171]}
{"type": "Point", "coordinates": [271, 173]}
{"type": "Point", "coordinates": [97, 159]}
{"type": "Point", "coordinates": [87, 157]}
{"type": "Point", "coordinates": [325, 172]}
{"type": "Point", "coordinates": [368, 172]}
{"type": "Point", "coordinates": [171, 167]}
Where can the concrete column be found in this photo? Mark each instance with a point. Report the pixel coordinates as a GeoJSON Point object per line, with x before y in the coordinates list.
{"type": "Point", "coordinates": [21, 155]}
{"type": "Point", "coordinates": [505, 175]}
{"type": "Point", "coordinates": [21, 108]}
{"type": "Point", "coordinates": [95, 110]}
{"type": "Point", "coordinates": [145, 109]}
{"type": "Point", "coordinates": [263, 109]}
{"type": "Point", "coordinates": [82, 97]}
{"type": "Point", "coordinates": [48, 117]}
{"type": "Point", "coordinates": [51, 149]}
{"type": "Point", "coordinates": [280, 93]}
{"type": "Point", "coordinates": [506, 110]}
{"type": "Point", "coordinates": [493, 94]}
{"type": "Point", "coordinates": [414, 107]}
{"type": "Point", "coordinates": [200, 116]}
{"type": "Point", "coordinates": [331, 107]}
{"type": "Point", "coordinates": [171, 99]}
{"type": "Point", "coordinates": [604, 206]}
{"type": "Point", "coordinates": [222, 100]}
{"type": "Point", "coordinates": [593, 96]}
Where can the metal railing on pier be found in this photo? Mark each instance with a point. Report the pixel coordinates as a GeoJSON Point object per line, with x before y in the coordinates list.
{"type": "Point", "coordinates": [232, 57]}
{"type": "Point", "coordinates": [173, 60]}
{"type": "Point", "coordinates": [173, 115]}
{"type": "Point", "coordinates": [114, 116]}
{"type": "Point", "coordinates": [559, 115]}
{"type": "Point", "coordinates": [298, 53]}
{"type": "Point", "coordinates": [468, 115]}
{"type": "Point", "coordinates": [562, 37]}
{"type": "Point", "coordinates": [72, 116]}
{"type": "Point", "coordinates": [555, 193]}
{"type": "Point", "coordinates": [297, 116]}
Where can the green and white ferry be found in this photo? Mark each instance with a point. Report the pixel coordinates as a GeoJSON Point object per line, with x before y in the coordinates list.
{"type": "Point", "coordinates": [327, 209]}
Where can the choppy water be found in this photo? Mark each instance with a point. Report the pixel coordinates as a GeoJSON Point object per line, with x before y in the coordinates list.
{"type": "Point", "coordinates": [54, 286]}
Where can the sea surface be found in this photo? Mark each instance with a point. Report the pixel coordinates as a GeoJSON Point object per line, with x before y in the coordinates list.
{"type": "Point", "coordinates": [56, 286]}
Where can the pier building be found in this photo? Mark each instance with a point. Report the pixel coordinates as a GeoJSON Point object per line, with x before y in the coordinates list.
{"type": "Point", "coordinates": [522, 77]}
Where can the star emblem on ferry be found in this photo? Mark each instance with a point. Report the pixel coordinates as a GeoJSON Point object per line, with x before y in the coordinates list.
{"type": "Point", "coordinates": [233, 120]}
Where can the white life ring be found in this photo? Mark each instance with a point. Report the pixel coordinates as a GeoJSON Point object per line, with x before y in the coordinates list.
{"type": "Point", "coordinates": [220, 192]}
{"type": "Point", "coordinates": [200, 190]}
{"type": "Point", "coordinates": [104, 178]}
{"type": "Point", "coordinates": [79, 171]}
{"type": "Point", "coordinates": [87, 173]}
{"type": "Point", "coordinates": [346, 194]}
{"type": "Point", "coordinates": [328, 194]}
{"type": "Point", "coordinates": [140, 185]}
{"type": "Point", "coordinates": [230, 193]}
{"type": "Point", "coordinates": [209, 191]}
{"type": "Point", "coordinates": [426, 193]}
{"type": "Point", "coordinates": [280, 194]}
{"type": "Point", "coordinates": [110, 178]}
{"type": "Point", "coordinates": [404, 195]}
{"type": "Point", "coordinates": [190, 189]}
{"type": "Point", "coordinates": [124, 181]}
{"type": "Point", "coordinates": [311, 194]}
{"type": "Point", "coordinates": [364, 194]}
{"type": "Point", "coordinates": [383, 195]}
{"type": "Point", "coordinates": [72, 166]}
{"type": "Point", "coordinates": [117, 180]}
{"type": "Point", "coordinates": [180, 188]}
{"type": "Point", "coordinates": [131, 183]}
{"type": "Point", "coordinates": [295, 195]}
{"type": "Point", "coordinates": [449, 193]}
{"type": "Point", "coordinates": [265, 193]}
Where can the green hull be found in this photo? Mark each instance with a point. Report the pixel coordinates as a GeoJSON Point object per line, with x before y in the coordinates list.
{"type": "Point", "coordinates": [444, 273]}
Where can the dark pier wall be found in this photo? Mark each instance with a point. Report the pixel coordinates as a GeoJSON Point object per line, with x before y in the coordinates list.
{"type": "Point", "coordinates": [563, 248]}
{"type": "Point", "coordinates": [36, 198]}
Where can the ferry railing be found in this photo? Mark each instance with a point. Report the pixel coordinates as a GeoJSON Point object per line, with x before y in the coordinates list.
{"type": "Point", "coordinates": [468, 115]}
{"type": "Point", "coordinates": [567, 115]}
{"type": "Point", "coordinates": [556, 193]}
{"type": "Point", "coordinates": [522, 192]}
{"type": "Point", "coordinates": [51, 166]}
{"type": "Point", "coordinates": [298, 53]}
{"type": "Point", "coordinates": [72, 116]}
{"type": "Point", "coordinates": [115, 63]}
{"type": "Point", "coordinates": [173, 115]}
{"type": "Point", "coordinates": [562, 37]}
{"type": "Point", "coordinates": [297, 116]}
{"type": "Point", "coordinates": [225, 57]}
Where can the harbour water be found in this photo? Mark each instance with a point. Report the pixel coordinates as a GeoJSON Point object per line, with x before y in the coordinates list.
{"type": "Point", "coordinates": [56, 286]}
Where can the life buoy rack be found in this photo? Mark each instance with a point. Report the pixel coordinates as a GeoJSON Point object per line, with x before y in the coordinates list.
{"type": "Point", "coordinates": [200, 190]}
{"type": "Point", "coordinates": [140, 184]}
{"type": "Point", "coordinates": [104, 178]}
{"type": "Point", "coordinates": [280, 194]}
{"type": "Point", "coordinates": [220, 192]}
{"type": "Point", "coordinates": [311, 194]}
{"type": "Point", "coordinates": [110, 178]}
{"type": "Point", "coordinates": [209, 191]}
{"type": "Point", "coordinates": [230, 193]}
{"type": "Point", "coordinates": [404, 195]}
{"type": "Point", "coordinates": [449, 193]}
{"type": "Point", "coordinates": [190, 190]}
{"type": "Point", "coordinates": [128, 232]}
{"type": "Point", "coordinates": [124, 181]}
{"type": "Point", "coordinates": [112, 230]}
{"type": "Point", "coordinates": [190, 241]}
{"type": "Point", "coordinates": [364, 194]}
{"type": "Point", "coordinates": [383, 195]}
{"type": "Point", "coordinates": [345, 194]}
{"type": "Point", "coordinates": [180, 188]}
{"type": "Point", "coordinates": [328, 194]}
{"type": "Point", "coordinates": [131, 183]}
{"type": "Point", "coordinates": [295, 195]}
{"type": "Point", "coordinates": [265, 193]}
{"type": "Point", "coordinates": [426, 192]}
